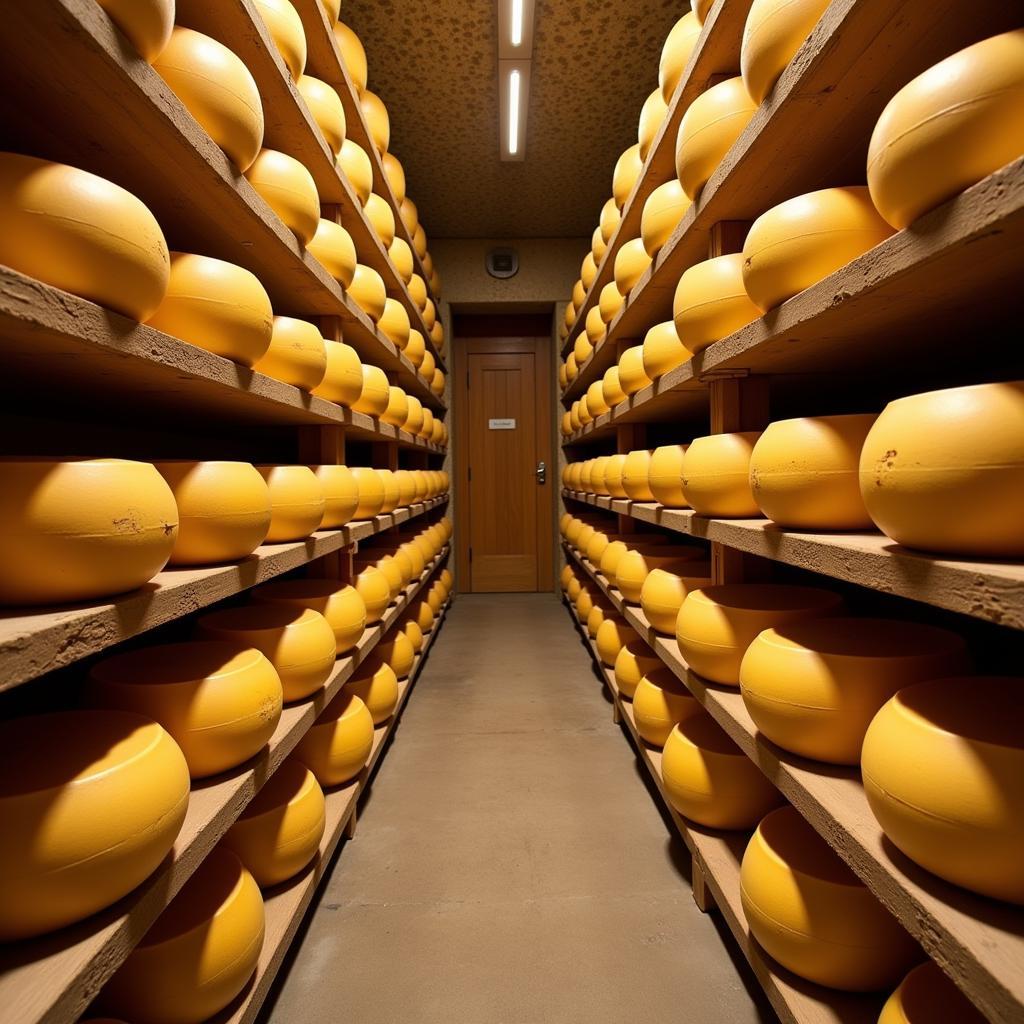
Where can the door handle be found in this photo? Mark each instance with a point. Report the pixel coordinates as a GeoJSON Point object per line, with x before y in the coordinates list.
{"type": "Point", "coordinates": [542, 473]}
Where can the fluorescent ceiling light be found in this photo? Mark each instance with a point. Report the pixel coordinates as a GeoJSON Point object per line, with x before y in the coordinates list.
{"type": "Point", "coordinates": [513, 112]}
{"type": "Point", "coordinates": [517, 22]}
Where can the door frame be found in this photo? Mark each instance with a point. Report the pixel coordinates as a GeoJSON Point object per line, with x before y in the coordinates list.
{"type": "Point", "coordinates": [503, 343]}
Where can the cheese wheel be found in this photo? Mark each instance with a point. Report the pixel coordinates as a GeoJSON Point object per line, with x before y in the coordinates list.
{"type": "Point", "coordinates": [84, 234]}
{"type": "Point", "coordinates": [296, 355]}
{"type": "Point", "coordinates": [414, 634]}
{"type": "Point", "coordinates": [355, 165]}
{"type": "Point", "coordinates": [628, 169]}
{"type": "Point", "coordinates": [343, 378]}
{"type": "Point", "coordinates": [437, 334]}
{"type": "Point", "coordinates": [584, 413]}
{"type": "Point", "coordinates": [579, 294]}
{"type": "Point", "coordinates": [571, 368]}
{"type": "Point", "coordinates": [613, 635]}
{"type": "Point", "coordinates": [437, 432]}
{"type": "Point", "coordinates": [406, 487]}
{"type": "Point", "coordinates": [419, 563]}
{"type": "Point", "coordinates": [610, 302]}
{"type": "Point", "coordinates": [812, 914]}
{"type": "Point", "coordinates": [804, 472]}
{"type": "Point", "coordinates": [610, 559]}
{"type": "Point", "coordinates": [398, 652]}
{"type": "Point", "coordinates": [631, 263]}
{"type": "Point", "coordinates": [199, 954]}
{"type": "Point", "coordinates": [652, 116]}
{"type": "Point", "coordinates": [353, 56]}
{"type": "Point", "coordinates": [943, 763]}
{"type": "Point", "coordinates": [611, 389]}
{"type": "Point", "coordinates": [368, 292]}
{"type": "Point", "coordinates": [813, 687]}
{"type": "Point", "coordinates": [91, 803]}
{"type": "Point", "coordinates": [664, 590]}
{"type": "Point", "coordinates": [803, 240]}
{"type": "Point", "coordinates": [711, 302]}
{"type": "Point", "coordinates": [662, 350]}
{"type": "Point", "coordinates": [660, 703]}
{"type": "Point", "coordinates": [709, 780]}
{"type": "Point", "coordinates": [634, 566]}
{"type": "Point", "coordinates": [675, 54]}
{"type": "Point", "coordinates": [416, 348]}
{"type": "Point", "coordinates": [582, 346]}
{"type": "Point", "coordinates": [381, 217]}
{"type": "Point", "coordinates": [332, 247]}
{"type": "Point", "coordinates": [338, 744]}
{"type": "Point", "coordinates": [569, 317]}
{"type": "Point", "coordinates": [370, 487]}
{"type": "Point", "coordinates": [341, 495]}
{"type": "Point", "coordinates": [394, 323]}
{"type": "Point", "coordinates": [717, 624]}
{"type": "Point", "coordinates": [377, 121]}
{"type": "Point", "coordinates": [634, 661]}
{"type": "Point", "coordinates": [376, 685]}
{"type": "Point", "coordinates": [926, 995]}
{"type": "Point", "coordinates": [584, 603]}
{"type": "Point", "coordinates": [401, 256]}
{"type": "Point", "coordinates": [636, 475]}
{"type": "Point", "coordinates": [596, 544]}
{"type": "Point", "coordinates": [397, 411]}
{"type": "Point", "coordinates": [391, 491]}
{"type": "Point", "coordinates": [609, 222]}
{"type": "Point", "coordinates": [147, 24]}
{"type": "Point", "coordinates": [437, 382]}
{"type": "Point", "coordinates": [596, 326]}
{"type": "Point", "coordinates": [374, 395]}
{"type": "Point", "coordinates": [414, 424]}
{"type": "Point", "coordinates": [375, 590]}
{"type": "Point", "coordinates": [298, 641]}
{"type": "Point", "coordinates": [598, 246]}
{"type": "Point", "coordinates": [279, 833]}
{"type": "Point", "coordinates": [960, 450]}
{"type": "Point", "coordinates": [427, 367]}
{"type": "Point", "coordinates": [632, 377]}
{"type": "Point", "coordinates": [716, 475]}
{"type": "Point", "coordinates": [702, 8]}
{"type": "Point", "coordinates": [217, 89]}
{"type": "Point", "coordinates": [297, 502]}
{"type": "Point", "coordinates": [665, 475]}
{"type": "Point", "coordinates": [436, 598]}
{"type": "Point", "coordinates": [395, 174]}
{"type": "Point", "coordinates": [596, 404]}
{"type": "Point", "coordinates": [216, 306]}
{"type": "Point", "coordinates": [419, 241]}
{"type": "Point", "coordinates": [337, 602]}
{"type": "Point", "coordinates": [286, 33]}
{"type": "Point", "coordinates": [80, 529]}
{"type": "Point", "coordinates": [417, 286]}
{"type": "Point", "coordinates": [774, 31]}
{"type": "Point", "coordinates": [664, 209]}
{"type": "Point", "coordinates": [423, 615]}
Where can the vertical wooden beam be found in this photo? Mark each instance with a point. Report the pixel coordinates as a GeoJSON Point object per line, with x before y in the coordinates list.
{"type": "Point", "coordinates": [702, 895]}
{"type": "Point", "coordinates": [350, 825]}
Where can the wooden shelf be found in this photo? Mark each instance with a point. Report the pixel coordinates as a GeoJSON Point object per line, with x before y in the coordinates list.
{"type": "Point", "coordinates": [978, 942]}
{"type": "Point", "coordinates": [51, 980]}
{"type": "Point", "coordinates": [35, 641]}
{"type": "Point", "coordinates": [141, 136]}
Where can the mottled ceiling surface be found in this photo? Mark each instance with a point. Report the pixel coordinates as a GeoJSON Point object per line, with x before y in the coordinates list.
{"type": "Point", "coordinates": [435, 66]}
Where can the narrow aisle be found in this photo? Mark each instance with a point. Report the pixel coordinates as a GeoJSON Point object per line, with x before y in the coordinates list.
{"type": "Point", "coordinates": [510, 867]}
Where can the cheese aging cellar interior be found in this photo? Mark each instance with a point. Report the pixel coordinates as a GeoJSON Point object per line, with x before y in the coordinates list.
{"type": "Point", "coordinates": [511, 512]}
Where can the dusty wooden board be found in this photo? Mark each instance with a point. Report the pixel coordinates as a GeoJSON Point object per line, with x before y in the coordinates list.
{"type": "Point", "coordinates": [54, 978]}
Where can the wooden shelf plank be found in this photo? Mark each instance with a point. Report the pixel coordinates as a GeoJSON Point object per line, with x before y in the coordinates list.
{"type": "Point", "coordinates": [51, 980]}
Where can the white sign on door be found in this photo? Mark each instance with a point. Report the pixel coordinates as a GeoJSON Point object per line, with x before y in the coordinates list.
{"type": "Point", "coordinates": [501, 424]}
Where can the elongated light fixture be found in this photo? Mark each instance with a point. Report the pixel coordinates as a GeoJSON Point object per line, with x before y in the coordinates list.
{"type": "Point", "coordinates": [515, 52]}
{"type": "Point", "coordinates": [513, 111]}
{"type": "Point", "coordinates": [517, 23]}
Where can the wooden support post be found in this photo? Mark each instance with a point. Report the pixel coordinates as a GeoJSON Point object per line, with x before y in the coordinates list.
{"type": "Point", "coordinates": [616, 711]}
{"type": "Point", "coordinates": [727, 236]}
{"type": "Point", "coordinates": [701, 893]}
{"type": "Point", "coordinates": [350, 825]}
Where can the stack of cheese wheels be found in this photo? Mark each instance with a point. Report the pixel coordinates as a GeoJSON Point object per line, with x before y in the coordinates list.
{"type": "Point", "coordinates": [711, 302]}
{"type": "Point", "coordinates": [375, 590]}
{"type": "Point", "coordinates": [635, 565]}
{"type": "Point", "coordinates": [662, 350]}
{"type": "Point", "coordinates": [343, 379]}
{"type": "Point", "coordinates": [660, 702]}
{"type": "Point", "coordinates": [147, 25]}
{"type": "Point", "coordinates": [338, 744]}
{"type": "Point", "coordinates": [926, 995]}
{"type": "Point", "coordinates": [298, 641]}
{"type": "Point", "coordinates": [665, 475]}
{"type": "Point", "coordinates": [717, 624]}
{"type": "Point", "coordinates": [332, 247]}
{"type": "Point", "coordinates": [80, 529]}
{"type": "Point", "coordinates": [634, 661]}
{"type": "Point", "coordinates": [341, 495]}
{"type": "Point", "coordinates": [376, 685]}
{"type": "Point", "coordinates": [297, 354]}
{"type": "Point", "coordinates": [716, 475]}
{"type": "Point", "coordinates": [297, 503]}
{"type": "Point", "coordinates": [811, 913]}
{"type": "Point", "coordinates": [709, 780]}
{"type": "Point", "coordinates": [959, 450]}
{"type": "Point", "coordinates": [665, 589]}
{"type": "Point", "coordinates": [943, 769]}
{"type": "Point", "coordinates": [663, 210]}
{"type": "Point", "coordinates": [675, 54]}
{"type": "Point", "coordinates": [199, 954]}
{"type": "Point", "coordinates": [773, 32]}
{"type": "Point", "coordinates": [398, 652]}
{"type": "Point", "coordinates": [92, 802]}
{"type": "Point", "coordinates": [221, 702]}
{"type": "Point", "coordinates": [289, 190]}
{"type": "Point", "coordinates": [613, 635]}
{"type": "Point", "coordinates": [813, 687]}
{"type": "Point", "coordinates": [339, 603]}
{"type": "Point", "coordinates": [279, 833]}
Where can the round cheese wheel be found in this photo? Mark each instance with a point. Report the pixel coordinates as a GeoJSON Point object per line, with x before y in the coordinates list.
{"type": "Point", "coordinates": [296, 354]}
{"type": "Point", "coordinates": [664, 590]}
{"type": "Point", "coordinates": [279, 833]}
{"type": "Point", "coordinates": [414, 424]}
{"type": "Point", "coordinates": [675, 54]}
{"type": "Point", "coordinates": [401, 256]}
{"type": "Point", "coordinates": [353, 56]}
{"type": "Point", "coordinates": [801, 241]}
{"type": "Point", "coordinates": [584, 603]}
{"type": "Point", "coordinates": [437, 334]}
{"type": "Point", "coordinates": [398, 652]}
{"type": "Point", "coordinates": [598, 246]}
{"type": "Point", "coordinates": [579, 294]}
{"type": "Point", "coordinates": [375, 590]}
{"type": "Point", "coordinates": [571, 367]}
{"type": "Point", "coordinates": [428, 366]}
{"type": "Point", "coordinates": [813, 687]}
{"type": "Point", "coordinates": [716, 475]}
{"type": "Point", "coordinates": [217, 89]}
{"type": "Point", "coordinates": [596, 618]}
{"type": "Point", "coordinates": [628, 169]}
{"type": "Point", "coordinates": [596, 545]}
{"type": "Point", "coordinates": [381, 217]}
{"type": "Point", "coordinates": [84, 234]}
{"type": "Point", "coordinates": [395, 173]}
{"type": "Point", "coordinates": [332, 247]}
{"type": "Point", "coordinates": [416, 348]}
{"type": "Point", "coordinates": [717, 624]}
{"type": "Point", "coordinates": [610, 301]}
{"type": "Point", "coordinates": [216, 306]}
{"type": "Point", "coordinates": [774, 31]}
{"type": "Point", "coordinates": [417, 286]}
{"type": "Point", "coordinates": [419, 241]}
{"type": "Point", "coordinates": [79, 529]}
{"type": "Point", "coordinates": [702, 8]}
{"type": "Point", "coordinates": [611, 557]}
{"type": "Point", "coordinates": [368, 292]}
{"type": "Point", "coordinates": [146, 23]}
{"type": "Point", "coordinates": [297, 502]}
{"type": "Point", "coordinates": [436, 598]}
{"type": "Point", "coordinates": [707, 131]}
{"type": "Point", "coordinates": [631, 263]}
{"type": "Point", "coordinates": [91, 803]}
{"type": "Point", "coordinates": [341, 495]}
{"type": "Point", "coordinates": [437, 383]}
{"type": "Point", "coordinates": [709, 780]}
{"type": "Point", "coordinates": [665, 475]}
{"type": "Point", "coordinates": [596, 326]}
{"type": "Point", "coordinates": [374, 394]}
{"type": "Point", "coordinates": [613, 635]}
{"type": "Point", "coordinates": [337, 602]}
{"type": "Point", "coordinates": [959, 450]}
{"type": "Point", "coordinates": [945, 130]}
{"type": "Point", "coordinates": [652, 116]}
{"type": "Point", "coordinates": [394, 323]}
{"type": "Point", "coordinates": [582, 346]}
{"type": "Point", "coordinates": [611, 389]}
{"type": "Point", "coordinates": [943, 764]}
{"type": "Point", "coordinates": [419, 563]}
{"type": "Point", "coordinates": [636, 475]}
{"type": "Point", "coordinates": [354, 163]}
{"type": "Point", "coordinates": [662, 350]}
{"type": "Point", "coordinates": [634, 661]}
{"type": "Point", "coordinates": [377, 121]}
{"type": "Point", "coordinates": [632, 377]}
{"type": "Point", "coordinates": [343, 378]}
{"type": "Point", "coordinates": [370, 487]}
{"type": "Point", "coordinates": [804, 472]}
{"type": "Point", "coordinates": [584, 414]}
{"type": "Point", "coordinates": [414, 634]}
{"type": "Point", "coordinates": [376, 685]}
{"type": "Point", "coordinates": [298, 641]}
{"type": "Point", "coordinates": [609, 222]}
{"type": "Point", "coordinates": [596, 404]}
{"type": "Point", "coordinates": [587, 479]}
{"type": "Point", "coordinates": [634, 566]}
{"type": "Point", "coordinates": [338, 744]}
{"type": "Point", "coordinates": [423, 615]}
{"type": "Point", "coordinates": [199, 954]}
{"type": "Point", "coordinates": [927, 995]}
{"type": "Point", "coordinates": [223, 510]}
{"type": "Point", "coordinates": [286, 32]}
{"type": "Point", "coordinates": [711, 302]}
{"type": "Point", "coordinates": [660, 703]}
{"type": "Point", "coordinates": [390, 569]}
{"type": "Point", "coordinates": [664, 209]}
{"type": "Point", "coordinates": [569, 317]}
{"type": "Point", "coordinates": [812, 914]}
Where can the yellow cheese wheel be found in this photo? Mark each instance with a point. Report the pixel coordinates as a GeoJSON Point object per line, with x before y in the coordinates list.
{"type": "Point", "coordinates": [584, 603]}
{"type": "Point", "coordinates": [437, 333]}
{"type": "Point", "coordinates": [397, 411]}
{"type": "Point", "coordinates": [436, 598]}
{"type": "Point", "coordinates": [660, 703]}
{"type": "Point", "coordinates": [702, 8]}
{"type": "Point", "coordinates": [79, 529]}
{"type": "Point", "coordinates": [596, 404]}
{"type": "Point", "coordinates": [401, 256]}
{"type": "Point", "coordinates": [634, 566]}
{"type": "Point", "coordinates": [414, 634]}
{"type": "Point", "coordinates": [279, 833]}
{"type": "Point", "coordinates": [370, 486]}
{"type": "Point", "coordinates": [376, 685]}
{"type": "Point", "coordinates": [636, 475]}
{"type": "Point", "coordinates": [216, 306]}
{"type": "Point", "coordinates": [804, 472]}
{"type": "Point", "coordinates": [945, 130]}
{"type": "Point", "coordinates": [571, 369]}
{"type": "Point", "coordinates": [610, 559]}
{"type": "Point", "coordinates": [587, 486]}
{"type": "Point", "coordinates": [716, 475]}
{"type": "Point", "coordinates": [582, 346]}
{"type": "Point", "coordinates": [613, 635]}
{"type": "Point", "coordinates": [428, 423]}
{"type": "Point", "coordinates": [91, 803]}
{"type": "Point", "coordinates": [332, 247]}
{"type": "Point", "coordinates": [598, 541]}
{"type": "Point", "coordinates": [201, 952]}
{"type": "Point", "coordinates": [611, 389]}
{"type": "Point", "coordinates": [391, 491]}
{"type": "Point", "coordinates": [416, 557]}
{"type": "Point", "coordinates": [813, 687]}
{"type": "Point", "coordinates": [367, 291]}
{"type": "Point", "coordinates": [662, 350]}
{"type": "Point", "coordinates": [632, 377]}
{"type": "Point", "coordinates": [711, 302]}
{"type": "Point", "coordinates": [419, 242]}
{"type": "Point", "coordinates": [598, 246]}
{"type": "Point", "coordinates": [675, 54]}
{"type": "Point", "coordinates": [358, 170]}
{"type": "Point", "coordinates": [717, 624]}
{"type": "Point", "coordinates": [146, 23]}
{"type": "Point", "coordinates": [298, 641]}
{"type": "Point", "coordinates": [343, 379]}
{"type": "Point", "coordinates": [338, 744]}
{"type": "Point", "coordinates": [375, 590]}
{"type": "Point", "coordinates": [428, 366]}
{"type": "Point", "coordinates": [709, 780]}
{"type": "Point", "coordinates": [217, 90]}
{"type": "Point", "coordinates": [652, 116]}
{"type": "Point", "coordinates": [398, 652]}
{"type": "Point", "coordinates": [446, 577]}
{"type": "Point", "coordinates": [410, 218]}
{"type": "Point", "coordinates": [811, 913]}
{"type": "Point", "coordinates": [959, 450]}
{"type": "Point", "coordinates": [584, 414]}
{"type": "Point", "coordinates": [285, 28]}
{"type": "Point", "coordinates": [395, 173]}
{"type": "Point", "coordinates": [81, 233]}
{"type": "Point", "coordinates": [634, 661]}
{"type": "Point", "coordinates": [423, 615]}
{"type": "Point", "coordinates": [297, 503]}
{"type": "Point", "coordinates": [595, 619]}
{"type": "Point", "coordinates": [341, 495]}
{"type": "Point", "coordinates": [296, 354]}
{"type": "Point", "coordinates": [609, 302]}
{"type": "Point", "coordinates": [394, 323]}
{"type": "Point", "coordinates": [595, 326]}
{"type": "Point", "coordinates": [665, 475]}
{"type": "Point", "coordinates": [664, 590]}
{"type": "Point", "coordinates": [631, 262]}
{"type": "Point", "coordinates": [628, 169]}
{"type": "Point", "coordinates": [579, 294]}
{"type": "Point", "coordinates": [570, 310]}
{"type": "Point", "coordinates": [664, 209]}
{"type": "Point", "coordinates": [926, 995]}
{"type": "Point", "coordinates": [943, 764]}
{"type": "Point", "coordinates": [437, 382]}
{"type": "Point", "coordinates": [337, 602]}
{"type": "Point", "coordinates": [414, 424]}
{"type": "Point", "coordinates": [416, 348]}
{"type": "Point", "coordinates": [374, 395]}
{"type": "Point", "coordinates": [609, 222]}
{"type": "Point", "coordinates": [774, 31]}
{"type": "Point", "coordinates": [801, 241]}
{"type": "Point", "coordinates": [381, 218]}
{"type": "Point", "coordinates": [353, 56]}
{"type": "Point", "coordinates": [437, 433]}
{"type": "Point", "coordinates": [377, 121]}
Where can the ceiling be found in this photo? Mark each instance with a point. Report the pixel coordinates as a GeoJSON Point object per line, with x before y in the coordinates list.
{"type": "Point", "coordinates": [435, 66]}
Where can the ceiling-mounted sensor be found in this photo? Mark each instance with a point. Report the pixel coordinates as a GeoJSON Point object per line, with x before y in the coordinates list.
{"type": "Point", "coordinates": [502, 262]}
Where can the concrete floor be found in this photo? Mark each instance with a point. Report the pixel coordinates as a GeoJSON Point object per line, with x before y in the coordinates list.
{"type": "Point", "coordinates": [510, 866]}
